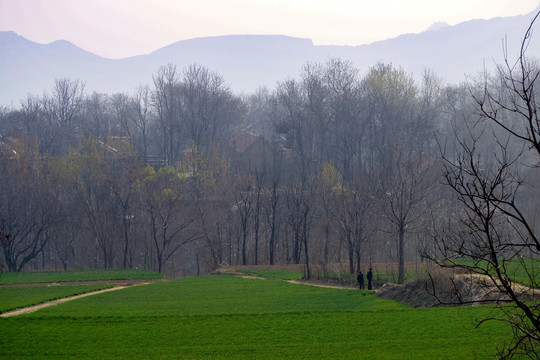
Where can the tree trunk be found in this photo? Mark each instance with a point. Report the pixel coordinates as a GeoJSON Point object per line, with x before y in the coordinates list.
{"type": "Point", "coordinates": [401, 268]}
{"type": "Point", "coordinates": [244, 255]}
{"type": "Point", "coordinates": [256, 225]}
{"type": "Point", "coordinates": [271, 244]}
{"type": "Point", "coordinates": [306, 254]}
{"type": "Point", "coordinates": [351, 256]}
{"type": "Point", "coordinates": [326, 242]}
{"type": "Point", "coordinates": [297, 250]}
{"type": "Point", "coordinates": [126, 240]}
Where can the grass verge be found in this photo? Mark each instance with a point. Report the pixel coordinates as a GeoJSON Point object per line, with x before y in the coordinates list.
{"type": "Point", "coordinates": [525, 271]}
{"type": "Point", "coordinates": [34, 277]}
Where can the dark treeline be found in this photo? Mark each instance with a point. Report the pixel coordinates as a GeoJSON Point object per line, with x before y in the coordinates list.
{"type": "Point", "coordinates": [183, 175]}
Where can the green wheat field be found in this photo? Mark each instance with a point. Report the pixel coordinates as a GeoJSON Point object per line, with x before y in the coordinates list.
{"type": "Point", "coordinates": [228, 317]}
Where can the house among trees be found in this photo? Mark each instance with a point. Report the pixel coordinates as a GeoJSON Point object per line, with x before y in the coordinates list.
{"type": "Point", "coordinates": [249, 151]}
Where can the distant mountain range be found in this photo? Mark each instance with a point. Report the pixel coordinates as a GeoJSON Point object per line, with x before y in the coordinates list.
{"type": "Point", "coordinates": [251, 61]}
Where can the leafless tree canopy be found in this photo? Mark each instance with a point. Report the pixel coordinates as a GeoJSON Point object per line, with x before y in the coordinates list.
{"type": "Point", "coordinates": [493, 174]}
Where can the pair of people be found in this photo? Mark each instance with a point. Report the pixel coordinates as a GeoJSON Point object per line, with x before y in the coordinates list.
{"type": "Point", "coordinates": [369, 276]}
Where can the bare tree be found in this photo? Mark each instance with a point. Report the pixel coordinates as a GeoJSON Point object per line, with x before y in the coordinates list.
{"type": "Point", "coordinates": [5, 237]}
{"type": "Point", "coordinates": [166, 102]}
{"type": "Point", "coordinates": [208, 107]}
{"type": "Point", "coordinates": [272, 217]}
{"type": "Point", "coordinates": [89, 169]}
{"type": "Point", "coordinates": [123, 179]}
{"type": "Point", "coordinates": [291, 118]}
{"type": "Point", "coordinates": [348, 118]}
{"type": "Point", "coordinates": [28, 209]}
{"type": "Point", "coordinates": [404, 195]}
{"type": "Point", "coordinates": [97, 116]}
{"type": "Point", "coordinates": [141, 103]}
{"type": "Point", "coordinates": [63, 109]}
{"type": "Point", "coordinates": [209, 191]}
{"type": "Point", "coordinates": [244, 199]}
{"type": "Point", "coordinates": [301, 208]}
{"type": "Point", "coordinates": [168, 218]}
{"type": "Point", "coordinates": [122, 114]}
{"type": "Point", "coordinates": [31, 109]}
{"type": "Point", "coordinates": [273, 203]}
{"type": "Point", "coordinates": [402, 165]}
{"type": "Point", "coordinates": [499, 231]}
{"type": "Point", "coordinates": [357, 222]}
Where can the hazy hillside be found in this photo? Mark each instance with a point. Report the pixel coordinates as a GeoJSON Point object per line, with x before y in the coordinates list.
{"type": "Point", "coordinates": [250, 61]}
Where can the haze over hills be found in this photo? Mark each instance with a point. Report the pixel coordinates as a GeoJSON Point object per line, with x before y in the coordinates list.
{"type": "Point", "coordinates": [251, 61]}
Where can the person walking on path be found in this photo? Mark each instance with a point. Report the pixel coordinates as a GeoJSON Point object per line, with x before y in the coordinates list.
{"type": "Point", "coordinates": [360, 279]}
{"type": "Point", "coordinates": [369, 278]}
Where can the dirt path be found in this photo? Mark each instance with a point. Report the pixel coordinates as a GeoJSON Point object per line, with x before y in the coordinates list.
{"type": "Point", "coordinates": [31, 309]}
{"type": "Point", "coordinates": [251, 277]}
{"type": "Point", "coordinates": [322, 285]}
{"type": "Point", "coordinates": [295, 282]}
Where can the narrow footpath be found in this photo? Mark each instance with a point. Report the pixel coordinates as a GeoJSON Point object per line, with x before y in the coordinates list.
{"type": "Point", "coordinates": [31, 309]}
{"type": "Point", "coordinates": [322, 285]}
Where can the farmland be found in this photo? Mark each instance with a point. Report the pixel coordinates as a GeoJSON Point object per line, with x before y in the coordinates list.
{"type": "Point", "coordinates": [18, 297]}
{"type": "Point", "coordinates": [224, 317]}
{"type": "Point", "coordinates": [34, 277]}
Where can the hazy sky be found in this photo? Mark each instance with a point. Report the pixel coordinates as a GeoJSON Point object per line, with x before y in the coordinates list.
{"type": "Point", "coordinates": [120, 28]}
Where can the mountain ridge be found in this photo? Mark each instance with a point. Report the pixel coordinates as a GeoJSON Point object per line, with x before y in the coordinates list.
{"type": "Point", "coordinates": [248, 62]}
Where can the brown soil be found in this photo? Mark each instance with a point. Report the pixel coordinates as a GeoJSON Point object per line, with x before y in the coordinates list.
{"type": "Point", "coordinates": [451, 289]}
{"type": "Point", "coordinates": [251, 277]}
{"type": "Point", "coordinates": [311, 283]}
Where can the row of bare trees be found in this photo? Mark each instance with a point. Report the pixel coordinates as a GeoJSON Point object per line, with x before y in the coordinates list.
{"type": "Point", "coordinates": [340, 168]}
{"type": "Point", "coordinates": [378, 132]}
{"type": "Point", "coordinates": [344, 168]}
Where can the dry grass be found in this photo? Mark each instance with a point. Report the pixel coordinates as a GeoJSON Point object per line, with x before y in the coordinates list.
{"type": "Point", "coordinates": [444, 286]}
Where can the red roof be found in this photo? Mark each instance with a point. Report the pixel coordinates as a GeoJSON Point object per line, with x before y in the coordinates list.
{"type": "Point", "coordinates": [242, 141]}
